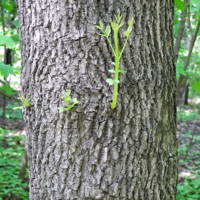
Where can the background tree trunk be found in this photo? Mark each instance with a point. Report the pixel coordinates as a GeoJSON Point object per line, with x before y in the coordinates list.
{"type": "Point", "coordinates": [91, 152]}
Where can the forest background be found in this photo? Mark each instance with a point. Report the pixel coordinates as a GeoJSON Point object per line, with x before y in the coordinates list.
{"type": "Point", "coordinates": [13, 159]}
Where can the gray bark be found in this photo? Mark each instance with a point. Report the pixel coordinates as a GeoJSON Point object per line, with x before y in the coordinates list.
{"type": "Point", "coordinates": [91, 152]}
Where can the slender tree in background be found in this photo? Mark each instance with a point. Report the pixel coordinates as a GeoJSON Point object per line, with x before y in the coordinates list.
{"type": "Point", "coordinates": [91, 151]}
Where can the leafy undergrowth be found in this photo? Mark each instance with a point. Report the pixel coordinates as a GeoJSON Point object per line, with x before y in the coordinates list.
{"type": "Point", "coordinates": [189, 153]}
{"type": "Point", "coordinates": [11, 151]}
{"type": "Point", "coordinates": [13, 117]}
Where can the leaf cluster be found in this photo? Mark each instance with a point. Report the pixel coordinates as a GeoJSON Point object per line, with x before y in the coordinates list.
{"type": "Point", "coordinates": [25, 101]}
{"type": "Point", "coordinates": [69, 102]}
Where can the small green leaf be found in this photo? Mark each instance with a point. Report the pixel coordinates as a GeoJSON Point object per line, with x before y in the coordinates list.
{"type": "Point", "coordinates": [108, 30]}
{"type": "Point", "coordinates": [16, 72]}
{"type": "Point", "coordinates": [120, 70]}
{"type": "Point", "coordinates": [179, 70]}
{"type": "Point", "coordinates": [130, 22]}
{"type": "Point", "coordinates": [19, 107]}
{"type": "Point", "coordinates": [111, 70]}
{"type": "Point", "coordinates": [113, 63]}
{"type": "Point", "coordinates": [116, 81]}
{"type": "Point", "coordinates": [15, 39]}
{"type": "Point", "coordinates": [98, 27]}
{"type": "Point", "coordinates": [75, 101]}
{"type": "Point", "coordinates": [15, 23]}
{"type": "Point", "coordinates": [110, 81]}
{"type": "Point", "coordinates": [61, 109]}
{"type": "Point", "coordinates": [126, 33]}
{"type": "Point", "coordinates": [101, 24]}
{"type": "Point", "coordinates": [129, 29]}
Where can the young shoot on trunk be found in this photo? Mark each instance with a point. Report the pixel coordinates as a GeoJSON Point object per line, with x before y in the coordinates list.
{"type": "Point", "coordinates": [115, 25]}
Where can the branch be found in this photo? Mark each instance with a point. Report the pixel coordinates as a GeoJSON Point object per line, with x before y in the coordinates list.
{"type": "Point", "coordinates": [9, 96]}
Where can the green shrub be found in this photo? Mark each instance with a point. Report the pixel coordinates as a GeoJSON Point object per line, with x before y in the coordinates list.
{"type": "Point", "coordinates": [10, 160]}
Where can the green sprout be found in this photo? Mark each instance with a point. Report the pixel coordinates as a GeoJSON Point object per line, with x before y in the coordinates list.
{"type": "Point", "coordinates": [25, 101]}
{"type": "Point", "coordinates": [115, 25]}
{"type": "Point", "coordinates": [69, 102]}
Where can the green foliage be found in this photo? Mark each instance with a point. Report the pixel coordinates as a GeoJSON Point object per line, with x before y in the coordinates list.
{"type": "Point", "coordinates": [115, 25]}
{"type": "Point", "coordinates": [9, 39]}
{"type": "Point", "coordinates": [69, 102]}
{"type": "Point", "coordinates": [179, 70]}
{"type": "Point", "coordinates": [12, 113]}
{"type": "Point", "coordinates": [192, 71]}
{"type": "Point", "coordinates": [179, 4]}
{"type": "Point", "coordinates": [10, 161]}
{"type": "Point", "coordinates": [189, 189]}
{"type": "Point", "coordinates": [8, 89]}
{"type": "Point", "coordinates": [189, 155]}
{"type": "Point", "coordinates": [6, 41]}
{"type": "Point", "coordinates": [6, 70]}
{"type": "Point", "coordinates": [196, 86]}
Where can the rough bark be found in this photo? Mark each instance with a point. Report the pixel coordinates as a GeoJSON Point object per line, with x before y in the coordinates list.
{"type": "Point", "coordinates": [91, 152]}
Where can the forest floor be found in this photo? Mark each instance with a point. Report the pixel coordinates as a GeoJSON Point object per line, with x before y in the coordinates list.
{"type": "Point", "coordinates": [188, 133]}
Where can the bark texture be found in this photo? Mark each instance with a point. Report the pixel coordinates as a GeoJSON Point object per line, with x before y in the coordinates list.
{"type": "Point", "coordinates": [91, 152]}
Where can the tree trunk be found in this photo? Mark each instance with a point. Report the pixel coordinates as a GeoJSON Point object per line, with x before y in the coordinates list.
{"type": "Point", "coordinates": [93, 152]}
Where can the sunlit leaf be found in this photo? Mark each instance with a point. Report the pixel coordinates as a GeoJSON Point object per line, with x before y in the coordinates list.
{"type": "Point", "coordinates": [6, 41]}
{"type": "Point", "coordinates": [129, 29]}
{"type": "Point", "coordinates": [6, 70]}
{"type": "Point", "coordinates": [98, 27]}
{"type": "Point", "coordinates": [120, 70]}
{"type": "Point", "coordinates": [130, 22]}
{"type": "Point", "coordinates": [111, 70]}
{"type": "Point", "coordinates": [108, 30]}
{"type": "Point", "coordinates": [19, 107]}
{"type": "Point", "coordinates": [116, 81]}
{"type": "Point", "coordinates": [15, 23]}
{"type": "Point", "coordinates": [179, 4]}
{"type": "Point", "coordinates": [7, 7]}
{"type": "Point", "coordinates": [179, 70]}
{"type": "Point", "coordinates": [126, 33]}
{"type": "Point", "coordinates": [110, 81]}
{"type": "Point", "coordinates": [7, 89]}
{"type": "Point", "coordinates": [101, 24]}
{"type": "Point", "coordinates": [196, 86]}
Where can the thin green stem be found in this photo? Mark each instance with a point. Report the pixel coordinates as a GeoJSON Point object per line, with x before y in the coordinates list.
{"type": "Point", "coordinates": [123, 48]}
{"type": "Point", "coordinates": [109, 42]}
{"type": "Point", "coordinates": [110, 45]}
{"type": "Point", "coordinates": [115, 93]}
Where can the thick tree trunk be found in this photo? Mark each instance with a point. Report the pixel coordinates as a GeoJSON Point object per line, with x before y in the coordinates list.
{"type": "Point", "coordinates": [91, 152]}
